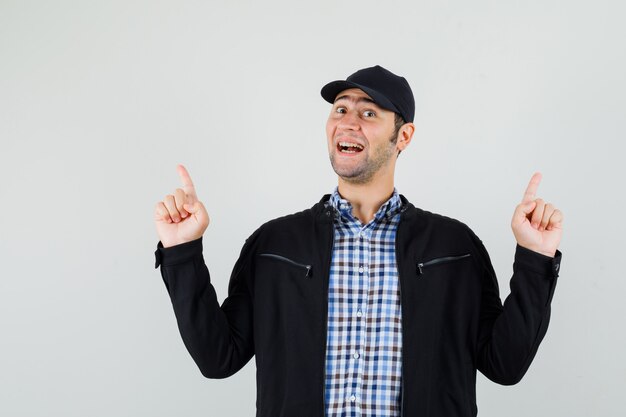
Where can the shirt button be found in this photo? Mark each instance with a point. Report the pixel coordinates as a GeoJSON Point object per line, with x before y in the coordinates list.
{"type": "Point", "coordinates": [353, 398]}
{"type": "Point", "coordinates": [356, 355]}
{"type": "Point", "coordinates": [359, 313]}
{"type": "Point", "coordinates": [361, 270]}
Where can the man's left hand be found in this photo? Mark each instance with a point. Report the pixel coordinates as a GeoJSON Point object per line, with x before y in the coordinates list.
{"type": "Point", "coordinates": [537, 225]}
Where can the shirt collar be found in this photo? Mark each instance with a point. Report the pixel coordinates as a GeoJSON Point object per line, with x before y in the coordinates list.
{"type": "Point", "coordinates": [388, 209]}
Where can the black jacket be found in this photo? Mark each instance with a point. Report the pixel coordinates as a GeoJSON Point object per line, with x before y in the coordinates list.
{"type": "Point", "coordinates": [453, 321]}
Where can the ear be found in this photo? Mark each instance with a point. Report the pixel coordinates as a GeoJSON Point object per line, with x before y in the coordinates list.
{"type": "Point", "coordinates": [405, 135]}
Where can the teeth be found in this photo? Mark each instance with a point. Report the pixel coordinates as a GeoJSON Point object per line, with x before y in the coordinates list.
{"type": "Point", "coordinates": [350, 145]}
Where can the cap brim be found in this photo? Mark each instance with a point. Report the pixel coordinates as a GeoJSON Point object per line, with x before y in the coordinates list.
{"type": "Point", "coordinates": [329, 93]}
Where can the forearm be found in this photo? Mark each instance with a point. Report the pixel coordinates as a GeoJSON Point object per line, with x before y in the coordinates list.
{"type": "Point", "coordinates": [511, 333]}
{"type": "Point", "coordinates": [217, 338]}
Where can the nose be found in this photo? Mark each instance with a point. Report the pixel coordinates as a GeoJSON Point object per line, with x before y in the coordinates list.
{"type": "Point", "coordinates": [349, 121]}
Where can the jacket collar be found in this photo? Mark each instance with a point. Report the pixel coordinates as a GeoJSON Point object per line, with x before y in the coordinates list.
{"type": "Point", "coordinates": [323, 212]}
{"type": "Point", "coordinates": [389, 208]}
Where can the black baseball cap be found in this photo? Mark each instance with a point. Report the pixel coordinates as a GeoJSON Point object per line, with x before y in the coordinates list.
{"type": "Point", "coordinates": [388, 90]}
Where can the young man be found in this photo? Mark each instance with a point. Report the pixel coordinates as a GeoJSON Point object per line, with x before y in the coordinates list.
{"type": "Point", "coordinates": [363, 304]}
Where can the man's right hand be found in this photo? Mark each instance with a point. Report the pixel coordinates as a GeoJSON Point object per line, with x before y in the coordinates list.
{"type": "Point", "coordinates": [180, 217]}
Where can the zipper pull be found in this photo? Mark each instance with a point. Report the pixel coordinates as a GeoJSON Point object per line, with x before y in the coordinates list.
{"type": "Point", "coordinates": [308, 271]}
{"type": "Point", "coordinates": [419, 268]}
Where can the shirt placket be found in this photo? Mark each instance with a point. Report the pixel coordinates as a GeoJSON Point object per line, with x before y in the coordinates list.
{"type": "Point", "coordinates": [359, 314]}
{"type": "Point", "coordinates": [357, 317]}
{"type": "Point", "coordinates": [364, 271]}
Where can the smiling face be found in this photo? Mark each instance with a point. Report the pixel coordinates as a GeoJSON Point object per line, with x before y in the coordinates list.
{"type": "Point", "coordinates": [360, 137]}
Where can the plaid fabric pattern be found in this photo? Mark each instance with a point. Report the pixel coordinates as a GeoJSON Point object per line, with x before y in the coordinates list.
{"type": "Point", "coordinates": [364, 340]}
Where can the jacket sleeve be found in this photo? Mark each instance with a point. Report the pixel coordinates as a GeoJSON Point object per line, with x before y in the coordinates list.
{"type": "Point", "coordinates": [510, 334]}
{"type": "Point", "coordinates": [219, 339]}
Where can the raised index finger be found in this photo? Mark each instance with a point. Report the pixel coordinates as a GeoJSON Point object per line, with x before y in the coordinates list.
{"type": "Point", "coordinates": [188, 187]}
{"type": "Point", "coordinates": [531, 190]}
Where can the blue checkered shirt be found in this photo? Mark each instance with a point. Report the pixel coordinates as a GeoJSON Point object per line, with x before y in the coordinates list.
{"type": "Point", "coordinates": [364, 340]}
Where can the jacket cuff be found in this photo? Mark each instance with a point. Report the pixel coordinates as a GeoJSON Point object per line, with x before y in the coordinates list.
{"type": "Point", "coordinates": [545, 265]}
{"type": "Point", "coordinates": [178, 253]}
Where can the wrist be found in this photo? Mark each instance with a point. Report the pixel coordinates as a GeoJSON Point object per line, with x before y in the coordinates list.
{"type": "Point", "coordinates": [542, 252]}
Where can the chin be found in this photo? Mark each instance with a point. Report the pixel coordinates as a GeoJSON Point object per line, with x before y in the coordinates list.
{"type": "Point", "coordinates": [352, 175]}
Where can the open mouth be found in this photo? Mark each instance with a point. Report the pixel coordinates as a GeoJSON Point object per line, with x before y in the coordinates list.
{"type": "Point", "coordinates": [349, 147]}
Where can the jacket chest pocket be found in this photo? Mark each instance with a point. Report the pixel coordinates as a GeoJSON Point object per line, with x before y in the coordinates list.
{"type": "Point", "coordinates": [306, 269]}
{"type": "Point", "coordinates": [425, 266]}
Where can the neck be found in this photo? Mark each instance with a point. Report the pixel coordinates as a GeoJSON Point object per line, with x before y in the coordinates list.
{"type": "Point", "coordinates": [366, 198]}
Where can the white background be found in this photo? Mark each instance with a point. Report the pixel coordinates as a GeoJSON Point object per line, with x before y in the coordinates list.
{"type": "Point", "coordinates": [100, 100]}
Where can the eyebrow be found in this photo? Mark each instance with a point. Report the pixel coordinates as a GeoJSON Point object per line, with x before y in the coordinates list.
{"type": "Point", "coordinates": [346, 97]}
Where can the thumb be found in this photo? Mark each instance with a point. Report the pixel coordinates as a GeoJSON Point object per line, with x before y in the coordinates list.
{"type": "Point", "coordinates": [192, 208]}
{"type": "Point", "coordinates": [521, 212]}
{"type": "Point", "coordinates": [528, 207]}
{"type": "Point", "coordinates": [200, 218]}
{"type": "Point", "coordinates": [198, 211]}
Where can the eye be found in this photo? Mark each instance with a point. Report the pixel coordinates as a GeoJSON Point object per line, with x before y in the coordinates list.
{"type": "Point", "coordinates": [340, 110]}
{"type": "Point", "coordinates": [369, 113]}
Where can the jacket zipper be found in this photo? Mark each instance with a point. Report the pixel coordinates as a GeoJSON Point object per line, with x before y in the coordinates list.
{"type": "Point", "coordinates": [282, 258]}
{"type": "Point", "coordinates": [435, 261]}
{"type": "Point", "coordinates": [402, 381]}
{"type": "Point", "coordinates": [330, 257]}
